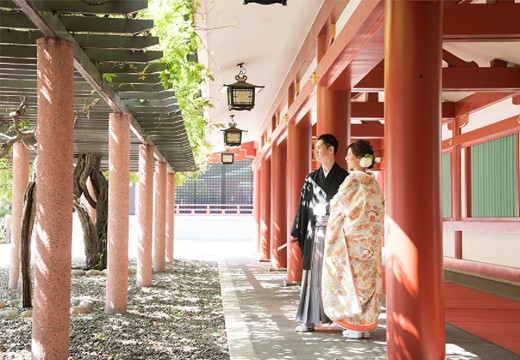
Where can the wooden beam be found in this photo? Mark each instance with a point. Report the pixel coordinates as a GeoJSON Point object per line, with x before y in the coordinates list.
{"type": "Point", "coordinates": [102, 24]}
{"type": "Point", "coordinates": [478, 101]}
{"type": "Point", "coordinates": [481, 79]}
{"type": "Point", "coordinates": [145, 95]}
{"type": "Point", "coordinates": [123, 56]}
{"type": "Point", "coordinates": [15, 20]}
{"type": "Point", "coordinates": [115, 41]}
{"type": "Point", "coordinates": [365, 21]}
{"type": "Point", "coordinates": [487, 133]}
{"type": "Point", "coordinates": [457, 79]}
{"type": "Point", "coordinates": [370, 130]}
{"type": "Point", "coordinates": [302, 104]}
{"type": "Point", "coordinates": [135, 79]}
{"type": "Point", "coordinates": [12, 36]}
{"type": "Point", "coordinates": [130, 68]}
{"type": "Point", "coordinates": [481, 22]}
{"type": "Point", "coordinates": [375, 110]}
{"type": "Point", "coordinates": [119, 7]}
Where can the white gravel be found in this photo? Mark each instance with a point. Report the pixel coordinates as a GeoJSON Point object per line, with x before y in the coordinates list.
{"type": "Point", "coordinates": [179, 317]}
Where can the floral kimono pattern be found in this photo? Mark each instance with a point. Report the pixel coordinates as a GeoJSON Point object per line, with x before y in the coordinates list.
{"type": "Point", "coordinates": [351, 278]}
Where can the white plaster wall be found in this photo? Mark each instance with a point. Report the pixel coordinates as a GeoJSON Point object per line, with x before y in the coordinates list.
{"type": "Point", "coordinates": [493, 248]}
{"type": "Point", "coordinates": [214, 227]}
{"type": "Point", "coordinates": [448, 243]}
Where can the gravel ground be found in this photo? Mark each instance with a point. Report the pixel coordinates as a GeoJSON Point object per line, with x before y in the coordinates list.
{"type": "Point", "coordinates": [179, 317]}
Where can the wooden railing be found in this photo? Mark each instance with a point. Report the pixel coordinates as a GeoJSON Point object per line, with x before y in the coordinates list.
{"type": "Point", "coordinates": [213, 209]}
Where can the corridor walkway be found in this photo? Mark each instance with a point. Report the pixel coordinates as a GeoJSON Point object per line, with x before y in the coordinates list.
{"type": "Point", "coordinates": [259, 312]}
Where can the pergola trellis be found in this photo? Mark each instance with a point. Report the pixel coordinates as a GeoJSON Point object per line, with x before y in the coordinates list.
{"type": "Point", "coordinates": [107, 39]}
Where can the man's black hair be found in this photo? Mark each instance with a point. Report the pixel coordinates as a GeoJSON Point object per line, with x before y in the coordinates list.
{"type": "Point", "coordinates": [329, 140]}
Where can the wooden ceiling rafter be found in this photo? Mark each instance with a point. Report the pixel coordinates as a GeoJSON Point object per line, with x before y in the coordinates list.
{"type": "Point", "coordinates": [107, 38]}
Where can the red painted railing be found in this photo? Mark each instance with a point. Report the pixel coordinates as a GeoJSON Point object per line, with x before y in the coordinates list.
{"type": "Point", "coordinates": [213, 209]}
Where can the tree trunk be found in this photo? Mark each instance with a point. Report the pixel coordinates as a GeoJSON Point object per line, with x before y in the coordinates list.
{"type": "Point", "coordinates": [94, 235]}
{"type": "Point", "coordinates": [28, 215]}
{"type": "Point", "coordinates": [100, 185]}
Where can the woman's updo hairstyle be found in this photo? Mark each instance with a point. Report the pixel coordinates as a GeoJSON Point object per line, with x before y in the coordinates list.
{"type": "Point", "coordinates": [361, 148]}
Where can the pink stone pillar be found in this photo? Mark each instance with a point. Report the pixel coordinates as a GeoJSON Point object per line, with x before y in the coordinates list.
{"type": "Point", "coordinates": [20, 180]}
{"type": "Point", "coordinates": [118, 209]}
{"type": "Point", "coordinates": [170, 215]}
{"type": "Point", "coordinates": [159, 263]}
{"type": "Point", "coordinates": [55, 89]}
{"type": "Point", "coordinates": [145, 216]}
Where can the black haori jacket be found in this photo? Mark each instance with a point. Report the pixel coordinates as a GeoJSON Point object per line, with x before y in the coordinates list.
{"type": "Point", "coordinates": [316, 189]}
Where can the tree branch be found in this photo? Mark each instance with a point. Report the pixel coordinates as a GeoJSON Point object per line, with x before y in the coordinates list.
{"type": "Point", "coordinates": [20, 135]}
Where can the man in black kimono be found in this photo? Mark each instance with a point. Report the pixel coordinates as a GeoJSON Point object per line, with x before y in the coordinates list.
{"type": "Point", "coordinates": [318, 189]}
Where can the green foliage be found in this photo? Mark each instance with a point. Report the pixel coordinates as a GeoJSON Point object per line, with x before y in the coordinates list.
{"type": "Point", "coordinates": [23, 125]}
{"type": "Point", "coordinates": [109, 77]}
{"type": "Point", "coordinates": [174, 25]}
{"type": "Point", "coordinates": [134, 177]}
{"type": "Point", "coordinates": [6, 187]}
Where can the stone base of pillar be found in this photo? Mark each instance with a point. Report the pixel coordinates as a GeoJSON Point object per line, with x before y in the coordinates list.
{"type": "Point", "coordinates": [291, 283]}
{"type": "Point", "coordinates": [278, 269]}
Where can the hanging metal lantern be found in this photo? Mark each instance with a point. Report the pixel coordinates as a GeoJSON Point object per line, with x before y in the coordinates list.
{"type": "Point", "coordinates": [241, 95]}
{"type": "Point", "coordinates": [233, 135]}
{"type": "Point", "coordinates": [227, 157]}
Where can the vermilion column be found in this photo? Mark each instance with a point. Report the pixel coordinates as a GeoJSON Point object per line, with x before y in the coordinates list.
{"type": "Point", "coordinates": [278, 206]}
{"type": "Point", "coordinates": [55, 89]}
{"type": "Point", "coordinates": [333, 107]}
{"type": "Point", "coordinates": [170, 215]}
{"type": "Point", "coordinates": [159, 244]}
{"type": "Point", "coordinates": [334, 118]}
{"type": "Point", "coordinates": [20, 179]}
{"type": "Point", "coordinates": [298, 166]}
{"type": "Point", "coordinates": [414, 272]}
{"type": "Point", "coordinates": [265, 210]}
{"type": "Point", "coordinates": [145, 216]}
{"type": "Point", "coordinates": [118, 211]}
{"type": "Point", "coordinates": [256, 210]}
{"type": "Point", "coordinates": [456, 183]}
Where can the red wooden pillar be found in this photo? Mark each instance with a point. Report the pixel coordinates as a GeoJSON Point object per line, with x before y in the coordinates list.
{"type": "Point", "coordinates": [52, 257]}
{"type": "Point", "coordinates": [265, 210]}
{"type": "Point", "coordinates": [414, 273]}
{"type": "Point", "coordinates": [455, 173]}
{"type": "Point", "coordinates": [333, 106]}
{"type": "Point", "coordinates": [298, 166]}
{"type": "Point", "coordinates": [256, 208]}
{"type": "Point", "coordinates": [278, 206]}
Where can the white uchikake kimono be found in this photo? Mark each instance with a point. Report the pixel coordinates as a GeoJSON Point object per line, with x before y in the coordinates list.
{"type": "Point", "coordinates": [351, 278]}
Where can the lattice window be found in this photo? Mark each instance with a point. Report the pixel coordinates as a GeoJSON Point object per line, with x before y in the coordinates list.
{"type": "Point", "coordinates": [238, 183]}
{"type": "Point", "coordinates": [493, 169]}
{"type": "Point", "coordinates": [221, 184]}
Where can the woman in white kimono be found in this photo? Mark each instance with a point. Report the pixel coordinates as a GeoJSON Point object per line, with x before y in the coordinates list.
{"type": "Point", "coordinates": [351, 278]}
